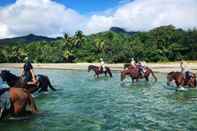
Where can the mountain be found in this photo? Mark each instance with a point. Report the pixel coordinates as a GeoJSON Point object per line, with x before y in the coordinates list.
{"type": "Point", "coordinates": [121, 30]}
{"type": "Point", "coordinates": [34, 38]}
{"type": "Point", "coordinates": [25, 39]}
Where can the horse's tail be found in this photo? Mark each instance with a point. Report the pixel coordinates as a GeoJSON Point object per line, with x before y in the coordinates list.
{"type": "Point", "coordinates": [195, 80]}
{"type": "Point", "coordinates": [50, 85]}
{"type": "Point", "coordinates": [122, 75]}
{"type": "Point", "coordinates": [153, 74]}
{"type": "Point", "coordinates": [109, 71]}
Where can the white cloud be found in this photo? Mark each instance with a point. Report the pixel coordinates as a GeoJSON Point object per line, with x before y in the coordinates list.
{"type": "Point", "coordinates": [47, 17]}
{"type": "Point", "coordinates": [147, 14]}
{"type": "Point", "coordinates": [42, 17]}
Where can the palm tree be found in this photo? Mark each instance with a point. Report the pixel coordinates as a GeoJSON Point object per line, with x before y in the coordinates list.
{"type": "Point", "coordinates": [99, 43]}
{"type": "Point", "coordinates": [78, 39]}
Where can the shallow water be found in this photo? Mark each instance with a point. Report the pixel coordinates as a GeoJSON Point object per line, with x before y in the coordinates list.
{"type": "Point", "coordinates": [83, 103]}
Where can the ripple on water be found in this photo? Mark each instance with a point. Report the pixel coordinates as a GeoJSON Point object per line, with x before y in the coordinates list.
{"type": "Point", "coordinates": [84, 103]}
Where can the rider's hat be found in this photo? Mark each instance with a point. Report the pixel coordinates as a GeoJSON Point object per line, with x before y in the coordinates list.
{"type": "Point", "coordinates": [101, 59]}
{"type": "Point", "coordinates": [26, 58]}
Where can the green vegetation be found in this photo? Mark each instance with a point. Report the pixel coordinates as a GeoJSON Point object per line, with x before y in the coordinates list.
{"type": "Point", "coordinates": [165, 43]}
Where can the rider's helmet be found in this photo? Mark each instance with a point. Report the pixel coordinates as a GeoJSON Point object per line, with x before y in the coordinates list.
{"type": "Point", "coordinates": [101, 59]}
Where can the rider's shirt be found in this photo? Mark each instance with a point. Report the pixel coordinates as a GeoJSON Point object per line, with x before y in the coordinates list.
{"type": "Point", "coordinates": [27, 74]}
{"type": "Point", "coordinates": [102, 63]}
{"type": "Point", "coordinates": [184, 68]}
{"type": "Point", "coordinates": [132, 62]}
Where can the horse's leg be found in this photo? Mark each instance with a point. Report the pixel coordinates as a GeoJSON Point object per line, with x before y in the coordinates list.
{"type": "Point", "coordinates": [97, 75]}
{"type": "Point", "coordinates": [105, 73]}
{"type": "Point", "coordinates": [137, 79]}
{"type": "Point", "coordinates": [133, 80]}
{"type": "Point", "coordinates": [18, 107]}
{"type": "Point", "coordinates": [32, 104]}
{"type": "Point", "coordinates": [146, 78]}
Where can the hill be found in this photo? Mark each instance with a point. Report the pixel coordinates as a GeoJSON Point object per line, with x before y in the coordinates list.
{"type": "Point", "coordinates": [25, 39]}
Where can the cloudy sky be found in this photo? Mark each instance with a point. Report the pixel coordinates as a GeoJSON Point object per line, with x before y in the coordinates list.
{"type": "Point", "coordinates": [54, 17]}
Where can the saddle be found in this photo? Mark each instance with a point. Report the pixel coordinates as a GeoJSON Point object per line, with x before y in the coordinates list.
{"type": "Point", "coordinates": [188, 75]}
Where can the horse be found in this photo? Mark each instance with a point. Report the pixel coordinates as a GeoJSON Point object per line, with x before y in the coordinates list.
{"type": "Point", "coordinates": [13, 101]}
{"type": "Point", "coordinates": [135, 74]}
{"type": "Point", "coordinates": [180, 79]}
{"type": "Point", "coordinates": [13, 80]}
{"type": "Point", "coordinates": [97, 70]}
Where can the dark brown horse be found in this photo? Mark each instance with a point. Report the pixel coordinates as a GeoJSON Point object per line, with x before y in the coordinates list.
{"type": "Point", "coordinates": [180, 79]}
{"type": "Point", "coordinates": [13, 80]}
{"type": "Point", "coordinates": [97, 70]}
{"type": "Point", "coordinates": [135, 74]}
{"type": "Point", "coordinates": [19, 99]}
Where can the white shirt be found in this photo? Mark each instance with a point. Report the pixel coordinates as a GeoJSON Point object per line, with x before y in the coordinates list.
{"type": "Point", "coordinates": [102, 63]}
{"type": "Point", "coordinates": [184, 67]}
{"type": "Point", "coordinates": [132, 62]}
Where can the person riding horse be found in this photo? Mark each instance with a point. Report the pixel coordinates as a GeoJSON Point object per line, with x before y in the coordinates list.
{"type": "Point", "coordinates": [28, 74]}
{"type": "Point", "coordinates": [182, 78]}
{"type": "Point", "coordinates": [102, 65]}
{"type": "Point", "coordinates": [185, 70]}
{"type": "Point", "coordinates": [133, 62]}
{"type": "Point", "coordinates": [141, 66]}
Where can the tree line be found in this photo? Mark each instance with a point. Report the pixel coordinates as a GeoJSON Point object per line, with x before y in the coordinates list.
{"type": "Point", "coordinates": [165, 43]}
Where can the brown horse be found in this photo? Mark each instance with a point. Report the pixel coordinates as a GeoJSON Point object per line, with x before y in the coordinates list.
{"type": "Point", "coordinates": [180, 79]}
{"type": "Point", "coordinates": [97, 70]}
{"type": "Point", "coordinates": [19, 99]}
{"type": "Point", "coordinates": [134, 73]}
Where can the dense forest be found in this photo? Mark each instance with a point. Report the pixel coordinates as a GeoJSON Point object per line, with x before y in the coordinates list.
{"type": "Point", "coordinates": [165, 43]}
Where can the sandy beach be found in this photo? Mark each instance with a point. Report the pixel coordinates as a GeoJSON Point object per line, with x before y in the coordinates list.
{"type": "Point", "coordinates": [157, 67]}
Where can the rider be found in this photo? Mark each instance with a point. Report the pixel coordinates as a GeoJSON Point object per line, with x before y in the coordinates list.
{"type": "Point", "coordinates": [102, 65]}
{"type": "Point", "coordinates": [185, 70]}
{"type": "Point", "coordinates": [133, 62]}
{"type": "Point", "coordinates": [28, 74]}
{"type": "Point", "coordinates": [142, 65]}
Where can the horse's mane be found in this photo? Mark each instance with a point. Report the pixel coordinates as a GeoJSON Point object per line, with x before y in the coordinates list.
{"type": "Point", "coordinates": [93, 66]}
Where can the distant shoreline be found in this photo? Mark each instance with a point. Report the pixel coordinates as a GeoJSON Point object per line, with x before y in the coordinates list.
{"type": "Point", "coordinates": [157, 67]}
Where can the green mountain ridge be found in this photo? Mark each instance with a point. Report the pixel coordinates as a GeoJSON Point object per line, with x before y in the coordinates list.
{"type": "Point", "coordinates": [25, 39]}
{"type": "Point", "coordinates": [164, 43]}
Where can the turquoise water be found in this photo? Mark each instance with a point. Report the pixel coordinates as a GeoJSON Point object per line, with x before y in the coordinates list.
{"type": "Point", "coordinates": [85, 104]}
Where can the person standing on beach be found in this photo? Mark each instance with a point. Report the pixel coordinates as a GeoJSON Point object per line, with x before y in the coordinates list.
{"type": "Point", "coordinates": [28, 74]}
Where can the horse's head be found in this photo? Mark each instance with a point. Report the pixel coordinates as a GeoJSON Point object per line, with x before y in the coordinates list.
{"type": "Point", "coordinates": [170, 77]}
{"type": "Point", "coordinates": [8, 77]}
{"type": "Point", "coordinates": [4, 75]}
{"type": "Point", "coordinates": [122, 75]}
{"type": "Point", "coordinates": [91, 67]}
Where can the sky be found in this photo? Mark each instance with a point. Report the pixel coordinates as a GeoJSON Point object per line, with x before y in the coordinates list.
{"type": "Point", "coordinates": [55, 17]}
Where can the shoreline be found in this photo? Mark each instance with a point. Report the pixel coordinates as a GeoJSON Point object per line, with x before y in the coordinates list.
{"type": "Point", "coordinates": [156, 67]}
